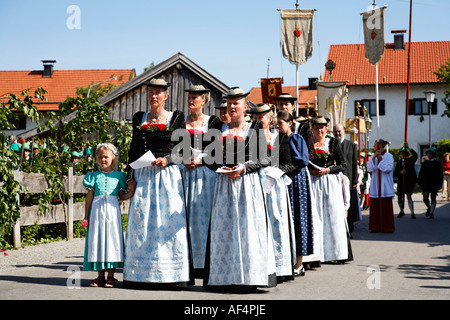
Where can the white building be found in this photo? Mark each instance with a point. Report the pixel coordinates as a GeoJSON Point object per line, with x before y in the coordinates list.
{"type": "Point", "coordinates": [426, 58]}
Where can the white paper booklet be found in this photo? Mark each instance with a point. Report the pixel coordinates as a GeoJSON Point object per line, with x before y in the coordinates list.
{"type": "Point", "coordinates": [144, 161]}
{"type": "Point", "coordinates": [239, 167]}
{"type": "Point", "coordinates": [315, 166]}
{"type": "Point", "coordinates": [197, 154]}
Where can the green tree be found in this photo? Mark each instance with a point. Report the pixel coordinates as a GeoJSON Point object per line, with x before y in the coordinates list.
{"type": "Point", "coordinates": [97, 89]}
{"type": "Point", "coordinates": [80, 121]}
{"type": "Point", "coordinates": [9, 160]}
{"type": "Point", "coordinates": [443, 74]}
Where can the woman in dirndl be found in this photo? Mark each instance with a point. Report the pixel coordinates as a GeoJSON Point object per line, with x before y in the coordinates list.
{"type": "Point", "coordinates": [198, 180]}
{"type": "Point", "coordinates": [300, 191]}
{"type": "Point", "coordinates": [240, 252]}
{"type": "Point", "coordinates": [276, 187]}
{"type": "Point", "coordinates": [157, 239]}
{"type": "Point", "coordinates": [330, 231]}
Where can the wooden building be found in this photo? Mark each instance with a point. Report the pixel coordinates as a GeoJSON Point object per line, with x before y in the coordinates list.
{"type": "Point", "coordinates": [132, 97]}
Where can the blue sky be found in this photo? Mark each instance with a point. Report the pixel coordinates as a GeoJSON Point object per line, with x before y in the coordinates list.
{"type": "Point", "coordinates": [231, 39]}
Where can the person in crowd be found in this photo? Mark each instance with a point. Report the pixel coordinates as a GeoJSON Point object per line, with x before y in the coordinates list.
{"type": "Point", "coordinates": [430, 180]}
{"type": "Point", "coordinates": [381, 192]}
{"type": "Point", "coordinates": [407, 178]}
{"type": "Point", "coordinates": [75, 157]}
{"type": "Point", "coordinates": [157, 240]}
{"type": "Point", "coordinates": [446, 180]}
{"type": "Point", "coordinates": [328, 200]}
{"type": "Point", "coordinates": [223, 114]}
{"type": "Point", "coordinates": [299, 191]}
{"type": "Point", "coordinates": [240, 254]}
{"type": "Point", "coordinates": [198, 180]}
{"type": "Point", "coordinates": [286, 102]}
{"type": "Point", "coordinates": [350, 151]}
{"type": "Point", "coordinates": [275, 185]}
{"type": "Point", "coordinates": [104, 235]}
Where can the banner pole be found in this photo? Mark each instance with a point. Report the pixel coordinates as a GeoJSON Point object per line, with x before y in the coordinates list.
{"type": "Point", "coordinates": [296, 89]}
{"type": "Point", "coordinates": [377, 102]}
{"type": "Point", "coordinates": [408, 72]}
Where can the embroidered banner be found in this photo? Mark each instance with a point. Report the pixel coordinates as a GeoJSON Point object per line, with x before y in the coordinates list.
{"type": "Point", "coordinates": [270, 88]}
{"type": "Point", "coordinates": [296, 34]}
{"type": "Point", "coordinates": [332, 100]}
{"type": "Point", "coordinates": [373, 25]}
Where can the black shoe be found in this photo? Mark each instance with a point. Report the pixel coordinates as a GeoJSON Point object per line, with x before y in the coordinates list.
{"type": "Point", "coordinates": [428, 213]}
{"type": "Point", "coordinates": [413, 216]}
{"type": "Point", "coordinates": [431, 216]}
{"type": "Point", "coordinates": [401, 214]}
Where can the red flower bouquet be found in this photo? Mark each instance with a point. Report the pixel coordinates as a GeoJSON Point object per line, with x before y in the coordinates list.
{"type": "Point", "coordinates": [152, 127]}
{"type": "Point", "coordinates": [322, 154]}
{"type": "Point", "coordinates": [194, 131]}
{"type": "Point", "coordinates": [230, 138]}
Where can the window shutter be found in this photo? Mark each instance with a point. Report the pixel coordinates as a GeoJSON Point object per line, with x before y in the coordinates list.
{"type": "Point", "coordinates": [381, 107]}
{"type": "Point", "coordinates": [434, 107]}
{"type": "Point", "coordinates": [412, 107]}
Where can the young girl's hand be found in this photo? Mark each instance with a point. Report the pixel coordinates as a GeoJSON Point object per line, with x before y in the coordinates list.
{"type": "Point", "coordinates": [84, 223]}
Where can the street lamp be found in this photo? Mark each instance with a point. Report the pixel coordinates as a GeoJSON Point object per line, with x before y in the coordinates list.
{"type": "Point", "coordinates": [330, 66]}
{"type": "Point", "coordinates": [430, 94]}
{"type": "Point", "coordinates": [96, 84]}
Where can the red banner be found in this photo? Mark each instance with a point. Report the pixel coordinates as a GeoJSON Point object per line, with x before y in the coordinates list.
{"type": "Point", "coordinates": [270, 88]}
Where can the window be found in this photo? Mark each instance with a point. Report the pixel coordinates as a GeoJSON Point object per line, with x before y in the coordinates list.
{"type": "Point", "coordinates": [371, 107]}
{"type": "Point", "coordinates": [20, 123]}
{"type": "Point", "coordinates": [420, 107]}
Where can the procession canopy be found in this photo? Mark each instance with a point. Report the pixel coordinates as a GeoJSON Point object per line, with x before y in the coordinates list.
{"type": "Point", "coordinates": [297, 34]}
{"type": "Point", "coordinates": [332, 96]}
{"type": "Point", "coordinates": [373, 26]}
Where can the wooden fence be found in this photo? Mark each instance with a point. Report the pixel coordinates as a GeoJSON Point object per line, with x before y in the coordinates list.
{"type": "Point", "coordinates": [68, 213]}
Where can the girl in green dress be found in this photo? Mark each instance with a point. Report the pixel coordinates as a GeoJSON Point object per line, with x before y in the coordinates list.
{"type": "Point", "coordinates": [104, 236]}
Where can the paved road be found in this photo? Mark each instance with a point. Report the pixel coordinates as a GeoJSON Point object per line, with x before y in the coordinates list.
{"type": "Point", "coordinates": [412, 263]}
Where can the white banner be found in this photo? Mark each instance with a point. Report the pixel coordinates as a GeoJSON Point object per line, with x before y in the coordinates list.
{"type": "Point", "coordinates": [373, 26]}
{"type": "Point", "coordinates": [332, 100]}
{"type": "Point", "coordinates": [296, 34]}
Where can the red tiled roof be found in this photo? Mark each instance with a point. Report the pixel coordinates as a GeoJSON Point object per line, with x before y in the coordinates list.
{"type": "Point", "coordinates": [61, 85]}
{"type": "Point", "coordinates": [304, 95]}
{"type": "Point", "coordinates": [352, 66]}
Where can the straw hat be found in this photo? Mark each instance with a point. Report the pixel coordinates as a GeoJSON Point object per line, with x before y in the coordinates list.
{"type": "Point", "coordinates": [197, 88]}
{"type": "Point", "coordinates": [260, 108]}
{"type": "Point", "coordinates": [319, 120]}
{"type": "Point", "coordinates": [158, 82]}
{"type": "Point", "coordinates": [300, 118]}
{"type": "Point", "coordinates": [223, 105]}
{"type": "Point", "coordinates": [235, 92]}
{"type": "Point", "coordinates": [285, 96]}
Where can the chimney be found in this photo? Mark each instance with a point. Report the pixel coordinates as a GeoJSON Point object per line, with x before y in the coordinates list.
{"type": "Point", "coordinates": [399, 43]}
{"type": "Point", "coordinates": [312, 83]}
{"type": "Point", "coordinates": [48, 68]}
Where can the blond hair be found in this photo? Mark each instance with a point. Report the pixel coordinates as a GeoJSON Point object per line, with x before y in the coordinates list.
{"type": "Point", "coordinates": [111, 148]}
